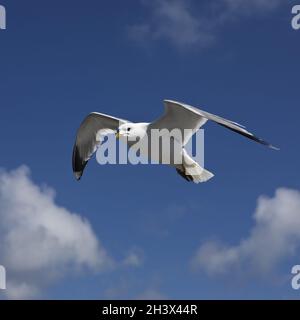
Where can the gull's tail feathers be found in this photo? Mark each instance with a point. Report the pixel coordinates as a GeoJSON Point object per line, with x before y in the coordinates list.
{"type": "Point", "coordinates": [195, 173]}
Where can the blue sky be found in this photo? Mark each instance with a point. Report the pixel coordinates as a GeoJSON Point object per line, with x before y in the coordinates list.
{"type": "Point", "coordinates": [158, 236]}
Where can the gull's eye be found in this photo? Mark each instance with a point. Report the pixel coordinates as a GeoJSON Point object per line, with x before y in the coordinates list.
{"type": "Point", "coordinates": [128, 129]}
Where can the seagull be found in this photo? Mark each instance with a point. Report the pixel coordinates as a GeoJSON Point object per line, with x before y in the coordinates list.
{"type": "Point", "coordinates": [177, 115]}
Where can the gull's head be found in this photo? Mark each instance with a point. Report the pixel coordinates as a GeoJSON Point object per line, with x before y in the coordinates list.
{"type": "Point", "coordinates": [132, 131]}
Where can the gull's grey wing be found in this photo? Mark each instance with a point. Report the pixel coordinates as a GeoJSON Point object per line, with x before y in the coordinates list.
{"type": "Point", "coordinates": [89, 135]}
{"type": "Point", "coordinates": [182, 116]}
{"type": "Point", "coordinates": [177, 116]}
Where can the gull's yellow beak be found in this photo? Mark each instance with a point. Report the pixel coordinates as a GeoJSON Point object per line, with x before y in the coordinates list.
{"type": "Point", "coordinates": [118, 135]}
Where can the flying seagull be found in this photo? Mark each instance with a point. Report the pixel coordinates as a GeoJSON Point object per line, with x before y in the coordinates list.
{"type": "Point", "coordinates": [177, 116]}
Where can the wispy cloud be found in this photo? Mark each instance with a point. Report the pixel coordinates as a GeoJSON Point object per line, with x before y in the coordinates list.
{"type": "Point", "coordinates": [41, 242]}
{"type": "Point", "coordinates": [275, 237]}
{"type": "Point", "coordinates": [130, 289]}
{"type": "Point", "coordinates": [186, 24]}
{"type": "Point", "coordinates": [134, 258]}
{"type": "Point", "coordinates": [172, 21]}
{"type": "Point", "coordinates": [151, 294]}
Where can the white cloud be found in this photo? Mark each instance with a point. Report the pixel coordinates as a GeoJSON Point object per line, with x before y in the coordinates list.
{"type": "Point", "coordinates": [135, 258]}
{"type": "Point", "coordinates": [186, 24]}
{"type": "Point", "coordinates": [131, 289]}
{"type": "Point", "coordinates": [22, 290]}
{"type": "Point", "coordinates": [173, 21]}
{"type": "Point", "coordinates": [274, 237]}
{"type": "Point", "coordinates": [151, 294]}
{"type": "Point", "coordinates": [40, 242]}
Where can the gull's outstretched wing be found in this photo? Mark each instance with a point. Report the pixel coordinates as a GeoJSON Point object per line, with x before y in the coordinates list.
{"type": "Point", "coordinates": [90, 134]}
{"type": "Point", "coordinates": [182, 116]}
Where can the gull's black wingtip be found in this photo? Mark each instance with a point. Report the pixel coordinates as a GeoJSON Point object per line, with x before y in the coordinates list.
{"type": "Point", "coordinates": [252, 137]}
{"type": "Point", "coordinates": [265, 143]}
{"type": "Point", "coordinates": [78, 164]}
